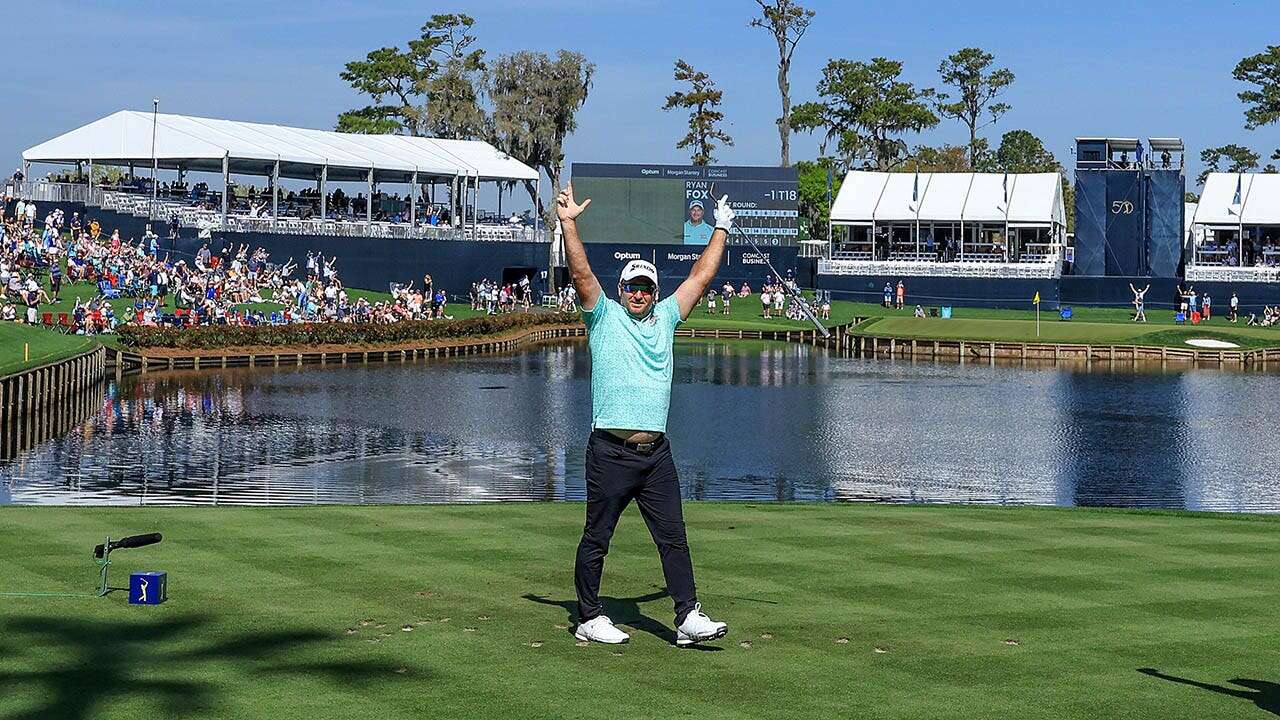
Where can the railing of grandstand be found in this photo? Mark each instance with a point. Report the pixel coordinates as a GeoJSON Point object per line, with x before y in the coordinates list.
{"type": "Point", "coordinates": [202, 218]}
{"type": "Point", "coordinates": [1227, 273]}
{"type": "Point", "coordinates": [861, 264]}
{"type": "Point", "coordinates": [44, 191]}
{"type": "Point", "coordinates": [813, 248]}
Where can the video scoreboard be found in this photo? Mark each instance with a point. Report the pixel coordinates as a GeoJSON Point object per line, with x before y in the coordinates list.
{"type": "Point", "coordinates": [675, 204]}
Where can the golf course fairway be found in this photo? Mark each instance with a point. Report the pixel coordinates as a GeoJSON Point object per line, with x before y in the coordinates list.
{"type": "Point", "coordinates": [465, 611]}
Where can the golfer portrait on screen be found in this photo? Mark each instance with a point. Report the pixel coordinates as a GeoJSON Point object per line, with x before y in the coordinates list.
{"type": "Point", "coordinates": [696, 230]}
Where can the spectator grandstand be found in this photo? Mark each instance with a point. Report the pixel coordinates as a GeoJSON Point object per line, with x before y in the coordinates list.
{"type": "Point", "coordinates": [978, 225]}
{"type": "Point", "coordinates": [427, 167]}
{"type": "Point", "coordinates": [1234, 230]}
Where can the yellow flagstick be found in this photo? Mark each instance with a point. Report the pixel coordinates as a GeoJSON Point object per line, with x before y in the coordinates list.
{"type": "Point", "coordinates": [1036, 300]}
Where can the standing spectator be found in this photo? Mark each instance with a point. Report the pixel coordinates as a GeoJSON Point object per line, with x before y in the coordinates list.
{"type": "Point", "coordinates": [55, 280]}
{"type": "Point", "coordinates": [1138, 302]}
{"type": "Point", "coordinates": [32, 298]}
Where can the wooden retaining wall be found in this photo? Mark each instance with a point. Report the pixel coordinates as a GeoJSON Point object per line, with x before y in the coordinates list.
{"type": "Point", "coordinates": [129, 362]}
{"type": "Point", "coordinates": [970, 351]}
{"type": "Point", "coordinates": [843, 339]}
{"type": "Point", "coordinates": [46, 401]}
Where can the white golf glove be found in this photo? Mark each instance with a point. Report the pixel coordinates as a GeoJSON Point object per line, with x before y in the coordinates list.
{"type": "Point", "coordinates": [724, 214]}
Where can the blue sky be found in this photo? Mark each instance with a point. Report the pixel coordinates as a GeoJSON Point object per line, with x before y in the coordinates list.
{"type": "Point", "coordinates": [1119, 68]}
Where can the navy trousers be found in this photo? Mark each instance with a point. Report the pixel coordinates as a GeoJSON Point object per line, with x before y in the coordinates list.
{"type": "Point", "coordinates": [617, 474]}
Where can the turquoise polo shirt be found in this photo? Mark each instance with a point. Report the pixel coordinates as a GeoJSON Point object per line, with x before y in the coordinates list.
{"type": "Point", "coordinates": [631, 364]}
{"type": "Point", "coordinates": [699, 234]}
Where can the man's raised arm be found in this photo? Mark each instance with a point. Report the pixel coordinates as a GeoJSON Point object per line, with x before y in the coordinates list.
{"type": "Point", "coordinates": [704, 270]}
{"type": "Point", "coordinates": [568, 210]}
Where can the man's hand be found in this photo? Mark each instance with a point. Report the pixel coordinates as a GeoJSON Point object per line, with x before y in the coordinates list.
{"type": "Point", "coordinates": [704, 269]}
{"type": "Point", "coordinates": [566, 207]}
{"type": "Point", "coordinates": [724, 214]}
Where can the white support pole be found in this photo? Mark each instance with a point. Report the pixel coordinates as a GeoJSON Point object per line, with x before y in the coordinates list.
{"type": "Point", "coordinates": [88, 178]}
{"type": "Point", "coordinates": [413, 202]}
{"type": "Point", "coordinates": [155, 163]}
{"type": "Point", "coordinates": [453, 202]}
{"type": "Point", "coordinates": [324, 189]}
{"type": "Point", "coordinates": [475, 207]}
{"type": "Point", "coordinates": [226, 187]}
{"type": "Point", "coordinates": [537, 214]}
{"type": "Point", "coordinates": [368, 205]}
{"type": "Point", "coordinates": [275, 194]}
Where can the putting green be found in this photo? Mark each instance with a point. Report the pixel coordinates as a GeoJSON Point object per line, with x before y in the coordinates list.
{"type": "Point", "coordinates": [463, 611]}
{"type": "Point", "coordinates": [42, 346]}
{"type": "Point", "coordinates": [1074, 332]}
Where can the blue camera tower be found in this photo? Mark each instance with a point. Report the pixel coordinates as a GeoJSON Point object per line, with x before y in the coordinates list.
{"type": "Point", "coordinates": [1129, 207]}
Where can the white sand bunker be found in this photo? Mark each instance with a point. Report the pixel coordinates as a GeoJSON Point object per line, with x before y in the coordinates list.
{"type": "Point", "coordinates": [1211, 344]}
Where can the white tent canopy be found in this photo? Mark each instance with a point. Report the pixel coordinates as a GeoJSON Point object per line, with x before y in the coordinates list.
{"type": "Point", "coordinates": [1233, 199]}
{"type": "Point", "coordinates": [859, 194]}
{"type": "Point", "coordinates": [1029, 199]}
{"type": "Point", "coordinates": [202, 144]}
{"type": "Point", "coordinates": [1035, 197]}
{"type": "Point", "coordinates": [946, 196]}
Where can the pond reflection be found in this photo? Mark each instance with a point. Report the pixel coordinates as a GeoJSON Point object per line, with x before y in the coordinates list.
{"type": "Point", "coordinates": [749, 421]}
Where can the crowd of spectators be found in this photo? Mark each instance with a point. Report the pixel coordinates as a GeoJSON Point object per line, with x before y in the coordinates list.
{"type": "Point", "coordinates": [495, 298]}
{"type": "Point", "coordinates": [134, 283]}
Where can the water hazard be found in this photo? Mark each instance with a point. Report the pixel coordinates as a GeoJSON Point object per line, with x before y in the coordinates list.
{"type": "Point", "coordinates": [749, 421]}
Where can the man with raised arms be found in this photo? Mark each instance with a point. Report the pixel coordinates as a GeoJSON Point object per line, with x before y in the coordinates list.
{"type": "Point", "coordinates": [628, 454]}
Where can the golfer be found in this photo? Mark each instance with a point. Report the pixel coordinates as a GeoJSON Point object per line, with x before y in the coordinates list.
{"type": "Point", "coordinates": [696, 229]}
{"type": "Point", "coordinates": [628, 454]}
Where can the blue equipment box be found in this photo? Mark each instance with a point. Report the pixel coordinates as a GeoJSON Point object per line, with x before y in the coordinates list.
{"type": "Point", "coordinates": [148, 588]}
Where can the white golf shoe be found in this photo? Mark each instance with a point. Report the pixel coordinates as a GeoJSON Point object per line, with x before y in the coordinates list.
{"type": "Point", "coordinates": [602, 630]}
{"type": "Point", "coordinates": [697, 627]}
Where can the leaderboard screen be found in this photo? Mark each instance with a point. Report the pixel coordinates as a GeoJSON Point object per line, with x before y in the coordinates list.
{"type": "Point", "coordinates": [675, 204]}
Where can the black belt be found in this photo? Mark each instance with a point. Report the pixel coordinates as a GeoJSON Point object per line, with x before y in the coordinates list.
{"type": "Point", "coordinates": [644, 447]}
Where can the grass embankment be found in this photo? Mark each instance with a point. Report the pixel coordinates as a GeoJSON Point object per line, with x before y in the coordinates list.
{"type": "Point", "coordinates": [835, 611]}
{"type": "Point", "coordinates": [43, 346]}
{"type": "Point", "coordinates": [1088, 326]}
{"type": "Point", "coordinates": [1093, 326]}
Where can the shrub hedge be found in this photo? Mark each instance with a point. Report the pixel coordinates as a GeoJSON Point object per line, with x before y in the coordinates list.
{"type": "Point", "coordinates": [308, 334]}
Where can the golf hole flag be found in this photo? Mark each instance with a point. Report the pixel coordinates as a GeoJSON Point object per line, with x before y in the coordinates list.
{"type": "Point", "coordinates": [1036, 299]}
